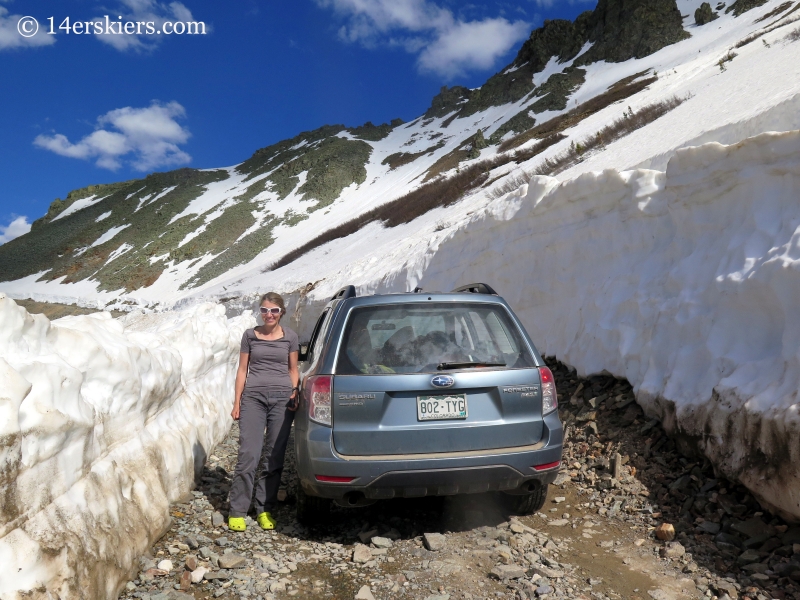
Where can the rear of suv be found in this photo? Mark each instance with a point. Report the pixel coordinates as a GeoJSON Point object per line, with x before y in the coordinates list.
{"type": "Point", "coordinates": [409, 395]}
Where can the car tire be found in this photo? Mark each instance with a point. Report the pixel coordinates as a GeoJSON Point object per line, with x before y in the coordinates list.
{"type": "Point", "coordinates": [311, 510]}
{"type": "Point", "coordinates": [529, 503]}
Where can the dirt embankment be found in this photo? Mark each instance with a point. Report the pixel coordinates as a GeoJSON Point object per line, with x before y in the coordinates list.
{"type": "Point", "coordinates": [56, 311]}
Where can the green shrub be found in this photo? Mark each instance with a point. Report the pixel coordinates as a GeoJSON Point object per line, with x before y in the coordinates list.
{"type": "Point", "coordinates": [399, 159]}
{"type": "Point", "coordinates": [742, 6]}
{"type": "Point", "coordinates": [704, 14]}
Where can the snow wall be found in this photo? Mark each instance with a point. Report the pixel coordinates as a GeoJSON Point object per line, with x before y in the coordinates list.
{"type": "Point", "coordinates": [685, 282]}
{"type": "Point", "coordinates": [103, 423]}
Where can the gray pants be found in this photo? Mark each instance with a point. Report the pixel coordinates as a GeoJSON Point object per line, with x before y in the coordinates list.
{"type": "Point", "coordinates": [260, 409]}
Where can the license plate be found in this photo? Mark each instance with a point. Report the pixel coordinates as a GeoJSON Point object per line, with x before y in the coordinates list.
{"type": "Point", "coordinates": [434, 408]}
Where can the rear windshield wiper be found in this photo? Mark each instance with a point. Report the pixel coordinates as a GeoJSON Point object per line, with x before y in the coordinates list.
{"type": "Point", "coordinates": [467, 365]}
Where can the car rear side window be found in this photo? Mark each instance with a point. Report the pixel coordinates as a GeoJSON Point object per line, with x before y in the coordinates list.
{"type": "Point", "coordinates": [317, 337]}
{"type": "Point", "coordinates": [430, 337]}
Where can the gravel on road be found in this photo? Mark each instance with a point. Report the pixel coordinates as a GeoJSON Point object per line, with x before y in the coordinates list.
{"type": "Point", "coordinates": [628, 517]}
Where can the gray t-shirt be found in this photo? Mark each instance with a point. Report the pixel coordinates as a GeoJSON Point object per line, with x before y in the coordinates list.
{"type": "Point", "coordinates": [269, 360]}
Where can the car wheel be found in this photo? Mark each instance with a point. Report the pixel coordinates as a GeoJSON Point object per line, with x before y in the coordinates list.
{"type": "Point", "coordinates": [311, 510]}
{"type": "Point", "coordinates": [529, 503]}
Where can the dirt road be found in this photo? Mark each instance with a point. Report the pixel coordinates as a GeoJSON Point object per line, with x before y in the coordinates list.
{"type": "Point", "coordinates": [595, 537]}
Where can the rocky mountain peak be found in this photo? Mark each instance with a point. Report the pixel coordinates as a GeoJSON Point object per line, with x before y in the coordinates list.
{"type": "Point", "coordinates": [623, 29]}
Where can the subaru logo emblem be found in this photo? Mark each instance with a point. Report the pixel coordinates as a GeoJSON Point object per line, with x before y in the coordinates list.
{"type": "Point", "coordinates": [442, 381]}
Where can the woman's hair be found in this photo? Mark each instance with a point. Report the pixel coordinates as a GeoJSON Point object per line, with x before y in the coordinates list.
{"type": "Point", "coordinates": [273, 298]}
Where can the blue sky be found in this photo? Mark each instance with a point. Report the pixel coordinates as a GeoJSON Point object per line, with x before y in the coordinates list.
{"type": "Point", "coordinates": [79, 109]}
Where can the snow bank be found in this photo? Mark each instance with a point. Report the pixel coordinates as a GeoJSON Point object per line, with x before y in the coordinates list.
{"type": "Point", "coordinates": [103, 422]}
{"type": "Point", "coordinates": [687, 283]}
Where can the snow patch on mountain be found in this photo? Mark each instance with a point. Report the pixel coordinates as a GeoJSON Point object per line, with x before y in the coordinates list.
{"type": "Point", "coordinates": [150, 198]}
{"type": "Point", "coordinates": [109, 235]}
{"type": "Point", "coordinates": [78, 205]}
{"type": "Point", "coordinates": [215, 194]}
{"type": "Point", "coordinates": [119, 252]}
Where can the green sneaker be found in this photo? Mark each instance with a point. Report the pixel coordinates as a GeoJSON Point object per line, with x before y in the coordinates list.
{"type": "Point", "coordinates": [266, 521]}
{"type": "Point", "coordinates": [236, 524]}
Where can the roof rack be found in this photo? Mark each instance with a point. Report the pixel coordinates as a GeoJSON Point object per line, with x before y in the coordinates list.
{"type": "Point", "coordinates": [348, 291]}
{"type": "Point", "coordinates": [477, 288]}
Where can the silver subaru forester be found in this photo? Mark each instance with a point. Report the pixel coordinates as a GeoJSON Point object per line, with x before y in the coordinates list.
{"type": "Point", "coordinates": [417, 394]}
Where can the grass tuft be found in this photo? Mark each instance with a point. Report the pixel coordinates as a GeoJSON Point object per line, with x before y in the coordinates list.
{"type": "Point", "coordinates": [726, 59]}
{"type": "Point", "coordinates": [628, 123]}
{"type": "Point", "coordinates": [775, 11]}
{"type": "Point", "coordinates": [619, 91]}
{"type": "Point", "coordinates": [510, 185]}
{"type": "Point", "coordinates": [782, 22]}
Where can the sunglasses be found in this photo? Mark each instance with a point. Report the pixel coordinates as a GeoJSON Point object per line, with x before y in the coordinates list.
{"type": "Point", "coordinates": [270, 311]}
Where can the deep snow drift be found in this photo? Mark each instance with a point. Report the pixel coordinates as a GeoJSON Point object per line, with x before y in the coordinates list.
{"type": "Point", "coordinates": [102, 424]}
{"type": "Point", "coordinates": [687, 283]}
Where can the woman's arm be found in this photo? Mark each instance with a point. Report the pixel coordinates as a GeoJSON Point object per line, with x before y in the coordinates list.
{"type": "Point", "coordinates": [294, 375]}
{"type": "Point", "coordinates": [241, 377]}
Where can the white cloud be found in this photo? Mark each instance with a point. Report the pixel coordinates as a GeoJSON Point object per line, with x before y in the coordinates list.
{"type": "Point", "coordinates": [472, 45]}
{"type": "Point", "coordinates": [146, 137]}
{"type": "Point", "coordinates": [19, 226]}
{"type": "Point", "coordinates": [371, 17]}
{"type": "Point", "coordinates": [10, 36]}
{"type": "Point", "coordinates": [445, 44]}
{"type": "Point", "coordinates": [146, 11]}
{"type": "Point", "coordinates": [549, 3]}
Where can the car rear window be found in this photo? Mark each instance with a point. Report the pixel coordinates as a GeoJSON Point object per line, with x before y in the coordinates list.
{"type": "Point", "coordinates": [417, 338]}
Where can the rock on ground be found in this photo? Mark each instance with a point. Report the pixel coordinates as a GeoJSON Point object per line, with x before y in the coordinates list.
{"type": "Point", "coordinates": [365, 593]}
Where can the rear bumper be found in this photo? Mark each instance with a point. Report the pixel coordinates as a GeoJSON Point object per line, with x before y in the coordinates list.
{"type": "Point", "coordinates": [416, 475]}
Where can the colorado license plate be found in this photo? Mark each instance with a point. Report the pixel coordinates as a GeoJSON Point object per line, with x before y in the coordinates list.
{"type": "Point", "coordinates": [430, 408]}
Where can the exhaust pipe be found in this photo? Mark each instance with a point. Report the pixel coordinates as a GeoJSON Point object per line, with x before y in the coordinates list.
{"type": "Point", "coordinates": [527, 487]}
{"type": "Point", "coordinates": [532, 485]}
{"type": "Point", "coordinates": [354, 500]}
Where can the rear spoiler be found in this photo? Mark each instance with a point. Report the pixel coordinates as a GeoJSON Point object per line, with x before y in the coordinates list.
{"type": "Point", "coordinates": [477, 288]}
{"type": "Point", "coordinates": [348, 291]}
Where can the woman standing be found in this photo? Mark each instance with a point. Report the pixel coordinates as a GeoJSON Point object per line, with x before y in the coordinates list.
{"type": "Point", "coordinates": [266, 397]}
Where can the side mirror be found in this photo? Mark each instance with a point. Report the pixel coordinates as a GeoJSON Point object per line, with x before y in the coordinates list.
{"type": "Point", "coordinates": [303, 353]}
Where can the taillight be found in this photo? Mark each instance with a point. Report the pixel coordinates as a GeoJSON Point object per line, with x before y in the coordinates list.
{"type": "Point", "coordinates": [333, 479]}
{"type": "Point", "coordinates": [547, 466]}
{"type": "Point", "coordinates": [318, 396]}
{"type": "Point", "coordinates": [549, 397]}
